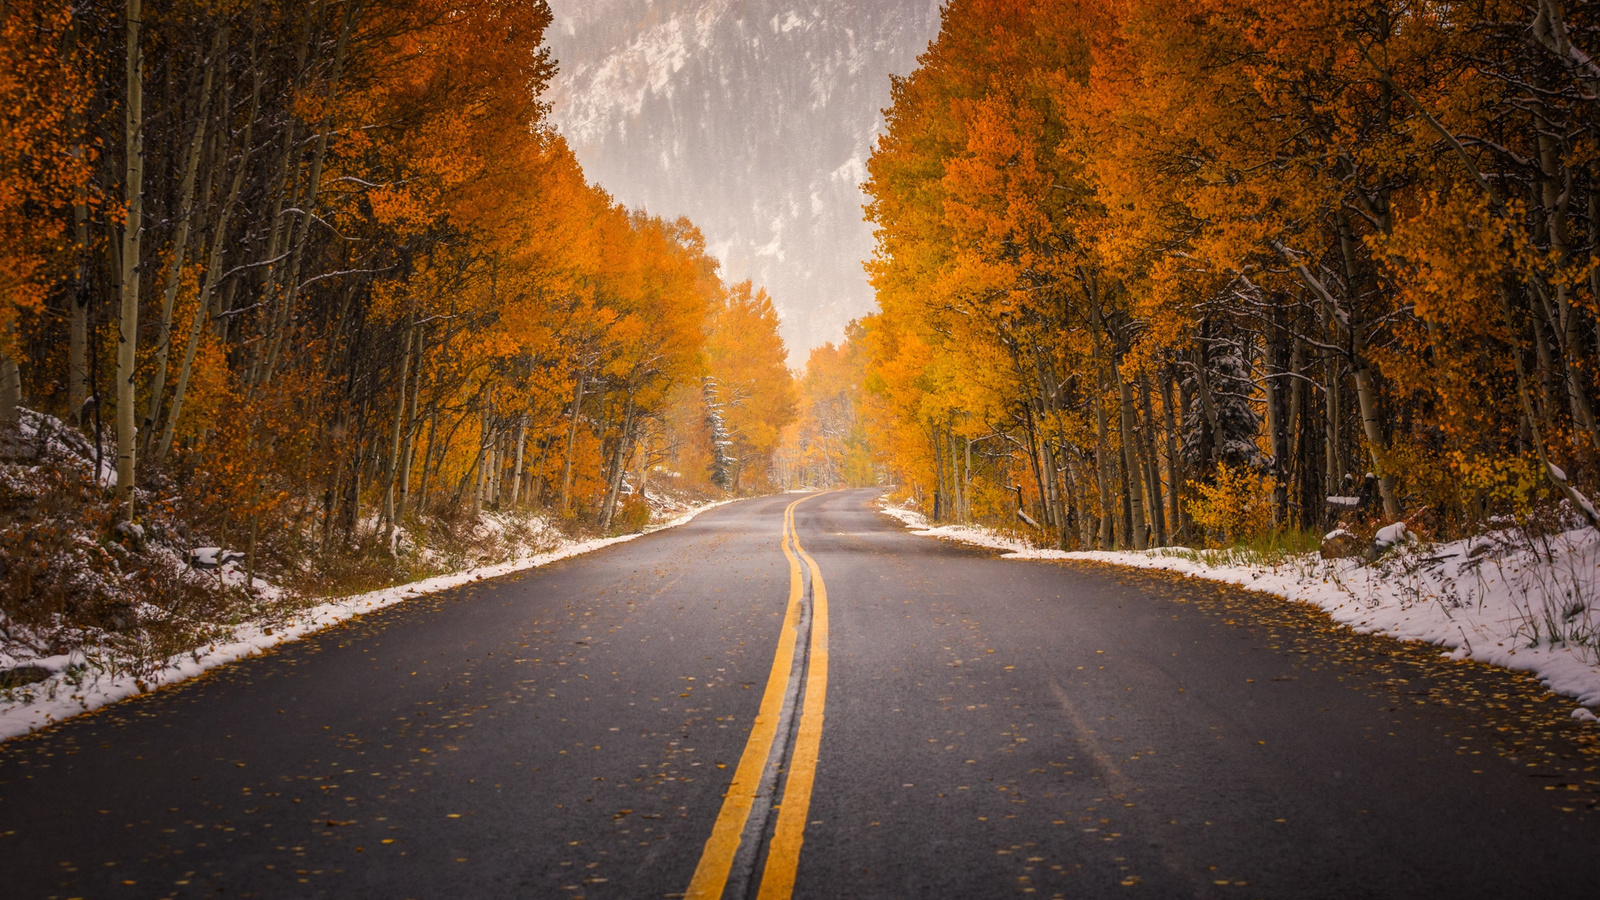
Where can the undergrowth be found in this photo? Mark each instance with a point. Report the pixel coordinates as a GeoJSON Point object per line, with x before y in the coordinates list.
{"type": "Point", "coordinates": [1270, 548]}
{"type": "Point", "coordinates": [90, 597]}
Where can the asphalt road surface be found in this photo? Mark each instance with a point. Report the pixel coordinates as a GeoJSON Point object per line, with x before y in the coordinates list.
{"type": "Point", "coordinates": [946, 723]}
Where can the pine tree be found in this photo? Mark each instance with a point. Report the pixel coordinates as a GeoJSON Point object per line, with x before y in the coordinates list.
{"type": "Point", "coordinates": [721, 461]}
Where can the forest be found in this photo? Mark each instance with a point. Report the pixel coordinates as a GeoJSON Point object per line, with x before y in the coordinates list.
{"type": "Point", "coordinates": [319, 281]}
{"type": "Point", "coordinates": [1156, 273]}
{"type": "Point", "coordinates": [319, 284]}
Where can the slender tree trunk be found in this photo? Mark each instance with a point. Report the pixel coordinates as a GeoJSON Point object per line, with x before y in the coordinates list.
{"type": "Point", "coordinates": [1564, 321]}
{"type": "Point", "coordinates": [78, 324]}
{"type": "Point", "coordinates": [427, 456]}
{"type": "Point", "coordinates": [291, 285]}
{"type": "Point", "coordinates": [1124, 525]}
{"type": "Point", "coordinates": [10, 391]}
{"type": "Point", "coordinates": [399, 428]}
{"type": "Point", "coordinates": [491, 472]}
{"type": "Point", "coordinates": [479, 465]}
{"type": "Point", "coordinates": [955, 483]}
{"type": "Point", "coordinates": [78, 305]}
{"type": "Point", "coordinates": [1293, 445]}
{"type": "Point", "coordinates": [352, 498]}
{"type": "Point", "coordinates": [1366, 388]}
{"type": "Point", "coordinates": [1532, 422]}
{"type": "Point", "coordinates": [966, 491]}
{"type": "Point", "coordinates": [1152, 480]}
{"type": "Point", "coordinates": [1366, 397]}
{"type": "Point", "coordinates": [539, 486]}
{"type": "Point", "coordinates": [516, 471]}
{"type": "Point", "coordinates": [284, 192]}
{"type": "Point", "coordinates": [180, 247]}
{"type": "Point", "coordinates": [1275, 434]}
{"type": "Point", "coordinates": [618, 466]}
{"type": "Point", "coordinates": [1208, 406]}
{"type": "Point", "coordinates": [132, 235]}
{"type": "Point", "coordinates": [1594, 242]}
{"type": "Point", "coordinates": [1175, 468]}
{"type": "Point", "coordinates": [250, 555]}
{"type": "Point", "coordinates": [644, 462]}
{"type": "Point", "coordinates": [1333, 403]}
{"type": "Point", "coordinates": [1049, 496]}
{"type": "Point", "coordinates": [1075, 484]}
{"type": "Point", "coordinates": [1108, 515]}
{"type": "Point", "coordinates": [413, 427]}
{"type": "Point", "coordinates": [219, 237]}
{"type": "Point", "coordinates": [1152, 463]}
{"type": "Point", "coordinates": [502, 440]}
{"type": "Point", "coordinates": [1130, 463]}
{"type": "Point", "coordinates": [572, 443]}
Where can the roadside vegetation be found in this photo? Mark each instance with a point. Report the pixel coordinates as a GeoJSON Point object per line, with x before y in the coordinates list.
{"type": "Point", "coordinates": [1156, 274]}
{"type": "Point", "coordinates": [1306, 288]}
{"type": "Point", "coordinates": [299, 300]}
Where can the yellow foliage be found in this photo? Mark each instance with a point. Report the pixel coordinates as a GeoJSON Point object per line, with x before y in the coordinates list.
{"type": "Point", "coordinates": [1235, 506]}
{"type": "Point", "coordinates": [1507, 482]}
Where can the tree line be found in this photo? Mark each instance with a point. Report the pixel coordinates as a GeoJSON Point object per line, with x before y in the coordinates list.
{"type": "Point", "coordinates": [314, 268]}
{"type": "Point", "coordinates": [1157, 272]}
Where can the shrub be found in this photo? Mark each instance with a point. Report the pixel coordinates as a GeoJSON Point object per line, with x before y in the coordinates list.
{"type": "Point", "coordinates": [1235, 506]}
{"type": "Point", "coordinates": [633, 514]}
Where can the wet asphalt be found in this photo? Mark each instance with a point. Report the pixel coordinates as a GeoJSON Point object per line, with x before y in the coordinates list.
{"type": "Point", "coordinates": [993, 728]}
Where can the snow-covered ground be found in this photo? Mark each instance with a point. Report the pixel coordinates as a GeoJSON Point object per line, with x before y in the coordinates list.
{"type": "Point", "coordinates": [75, 686]}
{"type": "Point", "coordinates": [1506, 599]}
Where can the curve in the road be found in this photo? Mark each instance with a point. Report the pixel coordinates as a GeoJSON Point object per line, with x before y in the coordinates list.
{"type": "Point", "coordinates": [783, 859]}
{"type": "Point", "coordinates": [802, 678]}
{"type": "Point", "coordinates": [993, 728]}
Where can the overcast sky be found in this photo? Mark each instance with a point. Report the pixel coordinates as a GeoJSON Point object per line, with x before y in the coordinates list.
{"type": "Point", "coordinates": [755, 119]}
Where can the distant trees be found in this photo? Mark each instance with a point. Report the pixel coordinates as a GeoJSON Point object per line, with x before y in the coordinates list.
{"type": "Point", "coordinates": [750, 381]}
{"type": "Point", "coordinates": [1125, 246]}
{"type": "Point", "coordinates": [339, 269]}
{"type": "Point", "coordinates": [828, 444]}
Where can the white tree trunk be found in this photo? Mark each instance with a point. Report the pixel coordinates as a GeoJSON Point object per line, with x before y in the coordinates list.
{"type": "Point", "coordinates": [128, 320]}
{"type": "Point", "coordinates": [572, 443]}
{"type": "Point", "coordinates": [400, 427]}
{"type": "Point", "coordinates": [522, 444]}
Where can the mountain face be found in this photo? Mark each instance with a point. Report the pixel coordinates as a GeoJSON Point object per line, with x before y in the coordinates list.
{"type": "Point", "coordinates": [754, 118]}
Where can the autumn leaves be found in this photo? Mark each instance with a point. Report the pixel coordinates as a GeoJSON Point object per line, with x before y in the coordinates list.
{"type": "Point", "coordinates": [329, 265]}
{"type": "Point", "coordinates": [1125, 244]}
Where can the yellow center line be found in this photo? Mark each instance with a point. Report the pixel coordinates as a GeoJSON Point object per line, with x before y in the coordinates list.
{"type": "Point", "coordinates": [716, 860]}
{"type": "Point", "coordinates": [783, 854]}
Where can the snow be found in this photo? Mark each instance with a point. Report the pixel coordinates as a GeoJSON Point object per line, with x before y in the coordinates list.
{"type": "Point", "coordinates": [75, 689]}
{"type": "Point", "coordinates": [63, 442]}
{"type": "Point", "coordinates": [733, 113]}
{"type": "Point", "coordinates": [1505, 598]}
{"type": "Point", "coordinates": [1389, 535]}
{"type": "Point", "coordinates": [212, 557]}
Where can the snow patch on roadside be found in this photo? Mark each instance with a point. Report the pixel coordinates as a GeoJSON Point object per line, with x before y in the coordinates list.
{"type": "Point", "coordinates": [73, 688]}
{"type": "Point", "coordinates": [1501, 599]}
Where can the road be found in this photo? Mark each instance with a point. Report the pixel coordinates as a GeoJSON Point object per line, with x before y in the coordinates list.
{"type": "Point", "coordinates": [948, 724]}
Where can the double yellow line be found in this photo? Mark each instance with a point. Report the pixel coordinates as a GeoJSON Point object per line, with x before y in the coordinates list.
{"type": "Point", "coordinates": [783, 852]}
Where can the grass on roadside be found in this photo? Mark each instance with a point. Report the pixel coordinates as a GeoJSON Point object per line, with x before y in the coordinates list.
{"type": "Point", "coordinates": [1270, 548]}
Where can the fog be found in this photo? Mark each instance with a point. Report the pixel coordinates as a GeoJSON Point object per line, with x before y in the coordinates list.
{"type": "Point", "coordinates": [754, 119]}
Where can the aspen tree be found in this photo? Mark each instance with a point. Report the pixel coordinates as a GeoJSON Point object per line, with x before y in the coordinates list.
{"type": "Point", "coordinates": [132, 237]}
